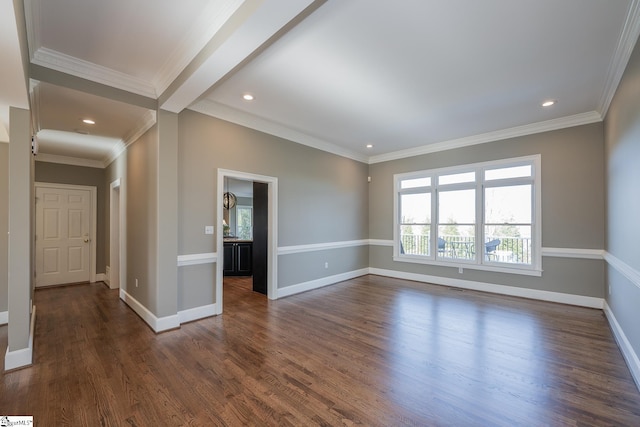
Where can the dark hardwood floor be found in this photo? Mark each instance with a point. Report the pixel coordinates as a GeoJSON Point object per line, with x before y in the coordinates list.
{"type": "Point", "coordinates": [239, 283]}
{"type": "Point", "coordinates": [371, 351]}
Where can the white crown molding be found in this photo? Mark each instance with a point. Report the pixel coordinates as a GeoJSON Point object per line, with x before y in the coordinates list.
{"type": "Point", "coordinates": [147, 121]}
{"type": "Point", "coordinates": [229, 114]}
{"type": "Point", "coordinates": [32, 22]}
{"type": "Point", "coordinates": [530, 129]}
{"type": "Point", "coordinates": [224, 112]}
{"type": "Point", "coordinates": [73, 161]}
{"type": "Point", "coordinates": [144, 125]}
{"type": "Point", "coordinates": [209, 22]}
{"type": "Point", "coordinates": [624, 49]}
{"type": "Point", "coordinates": [96, 73]}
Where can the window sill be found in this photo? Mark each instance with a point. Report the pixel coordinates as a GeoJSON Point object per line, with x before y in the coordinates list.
{"type": "Point", "coordinates": [529, 271]}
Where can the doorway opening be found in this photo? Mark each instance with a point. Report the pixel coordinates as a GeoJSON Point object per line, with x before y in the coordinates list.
{"type": "Point", "coordinates": [237, 234]}
{"type": "Point", "coordinates": [247, 237]}
{"type": "Point", "coordinates": [116, 234]}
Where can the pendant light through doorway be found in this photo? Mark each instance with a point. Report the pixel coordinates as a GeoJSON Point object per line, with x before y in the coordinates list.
{"type": "Point", "coordinates": [229, 199]}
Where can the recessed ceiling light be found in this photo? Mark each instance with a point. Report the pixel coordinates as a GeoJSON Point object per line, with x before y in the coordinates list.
{"type": "Point", "coordinates": [549, 103]}
{"type": "Point", "coordinates": [88, 121]}
{"type": "Point", "coordinates": [247, 97]}
{"type": "Point", "coordinates": [369, 145]}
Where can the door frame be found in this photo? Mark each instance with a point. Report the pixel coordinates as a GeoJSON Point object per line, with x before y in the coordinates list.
{"type": "Point", "coordinates": [272, 233]}
{"type": "Point", "coordinates": [93, 219]}
{"type": "Point", "coordinates": [117, 227]}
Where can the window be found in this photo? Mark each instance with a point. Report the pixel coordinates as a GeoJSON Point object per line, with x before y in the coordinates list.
{"type": "Point", "coordinates": [442, 215]}
{"type": "Point", "coordinates": [244, 222]}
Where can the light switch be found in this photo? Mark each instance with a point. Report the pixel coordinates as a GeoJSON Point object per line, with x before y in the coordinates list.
{"type": "Point", "coordinates": [208, 229]}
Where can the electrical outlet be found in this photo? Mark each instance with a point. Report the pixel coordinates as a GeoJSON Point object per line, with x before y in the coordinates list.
{"type": "Point", "coordinates": [208, 229]}
{"type": "Point", "coordinates": [326, 265]}
{"type": "Point", "coordinates": [460, 270]}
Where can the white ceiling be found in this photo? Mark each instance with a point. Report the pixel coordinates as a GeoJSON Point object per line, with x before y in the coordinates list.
{"type": "Point", "coordinates": [13, 90]}
{"type": "Point", "coordinates": [408, 77]}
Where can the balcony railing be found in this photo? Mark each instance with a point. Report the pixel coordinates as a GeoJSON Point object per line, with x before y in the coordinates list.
{"type": "Point", "coordinates": [511, 249]}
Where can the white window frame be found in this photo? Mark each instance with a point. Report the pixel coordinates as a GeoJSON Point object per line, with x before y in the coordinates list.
{"type": "Point", "coordinates": [533, 269]}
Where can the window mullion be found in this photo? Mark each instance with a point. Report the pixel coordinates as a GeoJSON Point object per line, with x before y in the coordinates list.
{"type": "Point", "coordinates": [479, 217]}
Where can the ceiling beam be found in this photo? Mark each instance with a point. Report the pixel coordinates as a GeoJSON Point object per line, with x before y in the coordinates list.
{"type": "Point", "coordinates": [254, 27]}
{"type": "Point", "coordinates": [48, 75]}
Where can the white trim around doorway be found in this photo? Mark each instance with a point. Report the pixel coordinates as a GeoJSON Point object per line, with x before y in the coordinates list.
{"type": "Point", "coordinates": [272, 236]}
{"type": "Point", "coordinates": [117, 227]}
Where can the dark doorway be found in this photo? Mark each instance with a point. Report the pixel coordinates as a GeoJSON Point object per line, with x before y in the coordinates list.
{"type": "Point", "coordinates": [260, 236]}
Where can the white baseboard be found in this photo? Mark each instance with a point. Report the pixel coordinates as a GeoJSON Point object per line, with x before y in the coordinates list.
{"type": "Point", "coordinates": [101, 277]}
{"type": "Point", "coordinates": [630, 356]}
{"type": "Point", "coordinates": [197, 313]}
{"type": "Point", "coordinates": [579, 300]}
{"type": "Point", "coordinates": [107, 276]}
{"type": "Point", "coordinates": [4, 317]}
{"type": "Point", "coordinates": [319, 283]}
{"type": "Point", "coordinates": [158, 324]}
{"type": "Point", "coordinates": [23, 357]}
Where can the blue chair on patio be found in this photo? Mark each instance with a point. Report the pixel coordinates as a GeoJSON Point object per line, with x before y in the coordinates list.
{"type": "Point", "coordinates": [490, 248]}
{"type": "Point", "coordinates": [442, 244]}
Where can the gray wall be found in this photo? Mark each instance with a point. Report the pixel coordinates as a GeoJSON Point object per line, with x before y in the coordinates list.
{"type": "Point", "coordinates": [79, 175]}
{"type": "Point", "coordinates": [117, 169]}
{"type": "Point", "coordinates": [322, 198]}
{"type": "Point", "coordinates": [622, 138]}
{"type": "Point", "coordinates": [572, 207]}
{"type": "Point", "coordinates": [4, 224]}
{"type": "Point", "coordinates": [167, 214]}
{"type": "Point", "coordinates": [142, 216]}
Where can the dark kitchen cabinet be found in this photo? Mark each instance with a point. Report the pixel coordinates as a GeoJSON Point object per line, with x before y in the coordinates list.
{"type": "Point", "coordinates": [238, 258]}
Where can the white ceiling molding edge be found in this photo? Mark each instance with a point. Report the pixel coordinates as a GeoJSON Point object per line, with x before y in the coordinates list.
{"type": "Point", "coordinates": [626, 44]}
{"type": "Point", "coordinates": [232, 115]}
{"type": "Point", "coordinates": [34, 92]}
{"type": "Point", "coordinates": [200, 34]}
{"type": "Point", "coordinates": [548, 125]}
{"type": "Point", "coordinates": [146, 123]}
{"type": "Point", "coordinates": [65, 160]}
{"type": "Point", "coordinates": [32, 9]}
{"type": "Point", "coordinates": [76, 67]}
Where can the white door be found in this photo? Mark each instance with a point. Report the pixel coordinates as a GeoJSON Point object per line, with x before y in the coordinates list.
{"type": "Point", "coordinates": [63, 250]}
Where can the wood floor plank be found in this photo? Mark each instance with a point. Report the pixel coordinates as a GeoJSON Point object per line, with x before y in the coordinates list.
{"type": "Point", "coordinates": [370, 351]}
